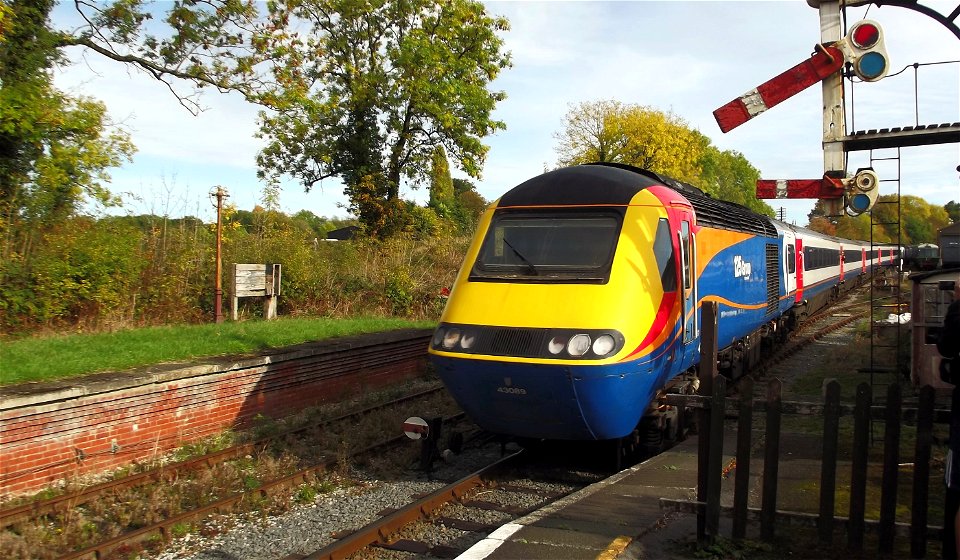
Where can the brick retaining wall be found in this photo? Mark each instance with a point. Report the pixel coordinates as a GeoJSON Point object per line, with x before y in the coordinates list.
{"type": "Point", "coordinates": [52, 431]}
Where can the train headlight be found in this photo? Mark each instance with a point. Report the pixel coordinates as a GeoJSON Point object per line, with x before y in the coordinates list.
{"type": "Point", "coordinates": [578, 345]}
{"type": "Point", "coordinates": [603, 345]}
{"type": "Point", "coordinates": [468, 339]}
{"type": "Point", "coordinates": [557, 344]}
{"type": "Point", "coordinates": [438, 336]}
{"type": "Point", "coordinates": [451, 338]}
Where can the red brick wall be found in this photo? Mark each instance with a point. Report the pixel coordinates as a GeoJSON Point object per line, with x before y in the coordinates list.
{"type": "Point", "coordinates": [102, 422]}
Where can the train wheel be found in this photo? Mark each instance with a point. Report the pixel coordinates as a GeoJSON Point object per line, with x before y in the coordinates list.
{"type": "Point", "coordinates": [651, 435]}
{"type": "Point", "coordinates": [627, 450]}
{"type": "Point", "coordinates": [671, 431]}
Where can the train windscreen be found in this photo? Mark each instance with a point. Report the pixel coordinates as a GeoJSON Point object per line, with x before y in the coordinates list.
{"type": "Point", "coordinates": [548, 247]}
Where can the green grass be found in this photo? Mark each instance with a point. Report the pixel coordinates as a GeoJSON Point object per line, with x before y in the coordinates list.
{"type": "Point", "coordinates": [58, 357]}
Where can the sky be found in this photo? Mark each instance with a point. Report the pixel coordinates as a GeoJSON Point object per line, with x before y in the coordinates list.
{"type": "Point", "coordinates": [684, 57]}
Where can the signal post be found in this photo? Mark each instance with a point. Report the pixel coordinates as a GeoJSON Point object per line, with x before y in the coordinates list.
{"type": "Point", "coordinates": [834, 157]}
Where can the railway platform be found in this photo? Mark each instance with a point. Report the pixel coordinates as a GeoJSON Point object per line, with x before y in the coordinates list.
{"type": "Point", "coordinates": [621, 517]}
{"type": "Point", "coordinates": [613, 518]}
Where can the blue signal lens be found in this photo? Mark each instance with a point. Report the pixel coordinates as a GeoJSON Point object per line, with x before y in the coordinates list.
{"type": "Point", "coordinates": [871, 65]}
{"type": "Point", "coordinates": [860, 203]}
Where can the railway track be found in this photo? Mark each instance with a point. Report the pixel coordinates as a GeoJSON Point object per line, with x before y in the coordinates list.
{"type": "Point", "coordinates": [447, 521]}
{"type": "Point", "coordinates": [37, 523]}
{"type": "Point", "coordinates": [816, 327]}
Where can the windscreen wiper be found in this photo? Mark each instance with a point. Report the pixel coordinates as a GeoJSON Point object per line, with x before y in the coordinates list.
{"type": "Point", "coordinates": [533, 269]}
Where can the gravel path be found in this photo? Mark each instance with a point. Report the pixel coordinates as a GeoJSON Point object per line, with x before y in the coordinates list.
{"type": "Point", "coordinates": [307, 528]}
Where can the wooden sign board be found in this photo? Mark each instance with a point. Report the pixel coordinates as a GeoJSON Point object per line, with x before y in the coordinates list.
{"type": "Point", "coordinates": [256, 280]}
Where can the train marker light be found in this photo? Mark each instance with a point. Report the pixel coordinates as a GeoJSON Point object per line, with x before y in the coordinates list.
{"type": "Point", "coordinates": [603, 345]}
{"type": "Point", "coordinates": [863, 48]}
{"type": "Point", "coordinates": [862, 192]}
{"type": "Point", "coordinates": [451, 338]}
{"type": "Point", "coordinates": [578, 345]}
{"type": "Point", "coordinates": [557, 344]}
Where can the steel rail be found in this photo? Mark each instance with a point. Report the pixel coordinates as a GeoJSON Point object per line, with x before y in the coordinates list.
{"type": "Point", "coordinates": [379, 531]}
{"type": "Point", "coordinates": [229, 503]}
{"type": "Point", "coordinates": [13, 515]}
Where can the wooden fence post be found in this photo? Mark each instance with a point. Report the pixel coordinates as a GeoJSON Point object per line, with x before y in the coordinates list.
{"type": "Point", "coordinates": [828, 462]}
{"type": "Point", "coordinates": [708, 374]}
{"type": "Point", "coordinates": [858, 469]}
{"type": "Point", "coordinates": [741, 490]}
{"type": "Point", "coordinates": [715, 462]}
{"type": "Point", "coordinates": [771, 458]}
{"type": "Point", "coordinates": [921, 473]}
{"type": "Point", "coordinates": [891, 462]}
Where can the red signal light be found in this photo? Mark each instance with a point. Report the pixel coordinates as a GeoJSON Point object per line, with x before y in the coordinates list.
{"type": "Point", "coordinates": [865, 35]}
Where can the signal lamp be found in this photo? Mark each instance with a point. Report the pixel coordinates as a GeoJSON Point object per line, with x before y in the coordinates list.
{"type": "Point", "coordinates": [863, 49]}
{"type": "Point", "coordinates": [865, 35]}
{"type": "Point", "coordinates": [862, 192]}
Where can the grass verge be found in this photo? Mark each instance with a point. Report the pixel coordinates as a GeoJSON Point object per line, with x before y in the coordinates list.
{"type": "Point", "coordinates": [58, 357]}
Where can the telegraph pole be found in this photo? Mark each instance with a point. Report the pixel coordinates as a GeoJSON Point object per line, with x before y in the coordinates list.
{"type": "Point", "coordinates": [219, 193]}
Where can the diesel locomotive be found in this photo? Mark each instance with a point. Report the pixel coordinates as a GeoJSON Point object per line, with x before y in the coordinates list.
{"type": "Point", "coordinates": [578, 303]}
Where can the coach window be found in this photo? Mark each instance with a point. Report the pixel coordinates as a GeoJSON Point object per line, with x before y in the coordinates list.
{"type": "Point", "coordinates": [791, 259]}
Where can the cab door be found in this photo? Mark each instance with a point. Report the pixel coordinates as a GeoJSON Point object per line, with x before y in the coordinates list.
{"type": "Point", "coordinates": [842, 258]}
{"type": "Point", "coordinates": [789, 263]}
{"type": "Point", "coordinates": [688, 274]}
{"type": "Point", "coordinates": [799, 297]}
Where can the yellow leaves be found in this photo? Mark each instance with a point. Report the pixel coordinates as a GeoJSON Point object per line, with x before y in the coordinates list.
{"type": "Point", "coordinates": [608, 130]}
{"type": "Point", "coordinates": [6, 20]}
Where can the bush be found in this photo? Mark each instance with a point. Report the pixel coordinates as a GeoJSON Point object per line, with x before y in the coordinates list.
{"type": "Point", "coordinates": [147, 270]}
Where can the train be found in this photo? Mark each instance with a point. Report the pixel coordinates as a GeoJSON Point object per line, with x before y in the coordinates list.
{"type": "Point", "coordinates": [924, 256]}
{"type": "Point", "coordinates": [949, 241]}
{"type": "Point", "coordinates": [578, 304]}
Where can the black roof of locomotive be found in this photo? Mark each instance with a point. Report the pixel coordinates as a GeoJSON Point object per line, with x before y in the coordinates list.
{"type": "Point", "coordinates": [617, 184]}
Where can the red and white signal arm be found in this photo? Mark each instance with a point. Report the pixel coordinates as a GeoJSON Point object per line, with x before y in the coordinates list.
{"type": "Point", "coordinates": [416, 427]}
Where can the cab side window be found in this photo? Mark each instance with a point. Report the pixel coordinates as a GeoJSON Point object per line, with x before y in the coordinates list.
{"type": "Point", "coordinates": [666, 257]}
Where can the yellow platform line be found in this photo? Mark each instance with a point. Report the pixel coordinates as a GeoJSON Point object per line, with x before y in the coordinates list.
{"type": "Point", "coordinates": [615, 548]}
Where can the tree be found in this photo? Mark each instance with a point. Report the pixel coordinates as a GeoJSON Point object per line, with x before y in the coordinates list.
{"type": "Point", "coordinates": [373, 87]}
{"type": "Point", "coordinates": [918, 221]}
{"type": "Point", "coordinates": [441, 184]}
{"type": "Point", "coordinates": [729, 176]}
{"type": "Point", "coordinates": [953, 210]}
{"type": "Point", "coordinates": [857, 227]}
{"type": "Point", "coordinates": [823, 225]}
{"type": "Point", "coordinates": [54, 149]}
{"type": "Point", "coordinates": [194, 44]}
{"type": "Point", "coordinates": [611, 131]}
{"type": "Point", "coordinates": [591, 133]}
{"type": "Point", "coordinates": [461, 186]}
